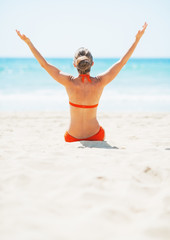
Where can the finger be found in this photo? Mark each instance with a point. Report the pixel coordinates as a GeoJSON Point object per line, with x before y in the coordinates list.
{"type": "Point", "coordinates": [145, 25]}
{"type": "Point", "coordinates": [19, 34]}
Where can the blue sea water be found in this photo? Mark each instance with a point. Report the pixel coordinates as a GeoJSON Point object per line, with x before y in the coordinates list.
{"type": "Point", "coordinates": [143, 85]}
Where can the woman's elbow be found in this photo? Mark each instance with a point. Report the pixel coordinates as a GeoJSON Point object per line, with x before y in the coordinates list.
{"type": "Point", "coordinates": [123, 61]}
{"type": "Point", "coordinates": [44, 64]}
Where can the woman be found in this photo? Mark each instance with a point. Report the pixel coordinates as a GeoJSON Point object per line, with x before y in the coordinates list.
{"type": "Point", "coordinates": [84, 91]}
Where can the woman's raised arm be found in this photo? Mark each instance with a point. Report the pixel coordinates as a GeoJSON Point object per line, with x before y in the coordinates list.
{"type": "Point", "coordinates": [59, 76]}
{"type": "Point", "coordinates": [112, 72]}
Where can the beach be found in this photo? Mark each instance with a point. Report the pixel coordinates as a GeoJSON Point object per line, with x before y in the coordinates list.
{"type": "Point", "coordinates": [116, 189]}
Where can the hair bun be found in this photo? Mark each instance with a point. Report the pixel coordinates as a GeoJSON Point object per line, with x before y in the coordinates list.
{"type": "Point", "coordinates": [83, 60]}
{"type": "Point", "coordinates": [83, 65]}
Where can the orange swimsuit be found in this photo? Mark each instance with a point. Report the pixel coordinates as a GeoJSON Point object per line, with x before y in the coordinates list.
{"type": "Point", "coordinates": [98, 136]}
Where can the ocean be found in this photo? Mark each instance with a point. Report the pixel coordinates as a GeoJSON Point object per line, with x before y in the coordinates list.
{"type": "Point", "coordinates": [143, 85]}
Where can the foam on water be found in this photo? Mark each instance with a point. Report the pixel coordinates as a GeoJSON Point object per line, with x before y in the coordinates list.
{"type": "Point", "coordinates": [142, 85]}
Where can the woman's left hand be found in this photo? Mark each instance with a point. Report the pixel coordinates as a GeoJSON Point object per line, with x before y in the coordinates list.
{"type": "Point", "coordinates": [141, 32]}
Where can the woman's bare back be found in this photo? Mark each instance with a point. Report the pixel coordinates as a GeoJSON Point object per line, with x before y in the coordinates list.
{"type": "Point", "coordinates": [83, 121]}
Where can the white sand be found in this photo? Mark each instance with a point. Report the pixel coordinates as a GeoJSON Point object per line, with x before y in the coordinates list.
{"type": "Point", "coordinates": [118, 189]}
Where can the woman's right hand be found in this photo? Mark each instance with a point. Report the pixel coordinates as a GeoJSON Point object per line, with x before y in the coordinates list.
{"type": "Point", "coordinates": [23, 37]}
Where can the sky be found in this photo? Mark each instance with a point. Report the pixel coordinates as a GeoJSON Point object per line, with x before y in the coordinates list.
{"type": "Point", "coordinates": [57, 28]}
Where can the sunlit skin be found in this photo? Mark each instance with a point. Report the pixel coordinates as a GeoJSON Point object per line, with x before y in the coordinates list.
{"type": "Point", "coordinates": [83, 122]}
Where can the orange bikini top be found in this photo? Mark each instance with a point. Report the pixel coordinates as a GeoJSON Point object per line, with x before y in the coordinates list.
{"type": "Point", "coordinates": [83, 106]}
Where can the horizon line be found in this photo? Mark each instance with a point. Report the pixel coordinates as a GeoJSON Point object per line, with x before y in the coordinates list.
{"type": "Point", "coordinates": [104, 57]}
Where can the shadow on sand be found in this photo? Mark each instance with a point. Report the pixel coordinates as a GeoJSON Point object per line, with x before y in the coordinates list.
{"type": "Point", "coordinates": [96, 144]}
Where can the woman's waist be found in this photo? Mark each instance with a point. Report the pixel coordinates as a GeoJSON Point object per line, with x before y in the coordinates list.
{"type": "Point", "coordinates": [83, 129]}
{"type": "Point", "coordinates": [83, 115]}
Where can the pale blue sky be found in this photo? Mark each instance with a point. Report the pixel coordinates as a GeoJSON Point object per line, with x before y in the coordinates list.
{"type": "Point", "coordinates": [107, 27]}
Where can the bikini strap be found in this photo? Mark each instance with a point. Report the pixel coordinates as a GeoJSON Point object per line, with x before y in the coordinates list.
{"type": "Point", "coordinates": [83, 77]}
{"type": "Point", "coordinates": [83, 106]}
